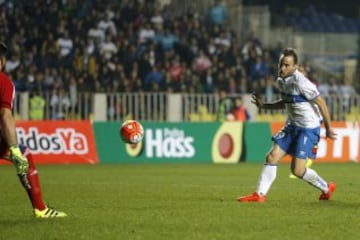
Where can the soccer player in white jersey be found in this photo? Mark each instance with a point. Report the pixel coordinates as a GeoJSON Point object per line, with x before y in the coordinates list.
{"type": "Point", "coordinates": [306, 111]}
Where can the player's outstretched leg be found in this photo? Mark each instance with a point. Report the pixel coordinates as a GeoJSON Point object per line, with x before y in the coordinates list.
{"type": "Point", "coordinates": [31, 183]}
{"type": "Point", "coordinates": [327, 189]}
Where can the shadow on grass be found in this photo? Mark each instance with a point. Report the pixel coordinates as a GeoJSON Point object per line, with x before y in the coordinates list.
{"type": "Point", "coordinates": [11, 221]}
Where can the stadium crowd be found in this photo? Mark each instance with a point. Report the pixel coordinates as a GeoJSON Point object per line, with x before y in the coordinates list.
{"type": "Point", "coordinates": [121, 48]}
{"type": "Point", "coordinates": [130, 46]}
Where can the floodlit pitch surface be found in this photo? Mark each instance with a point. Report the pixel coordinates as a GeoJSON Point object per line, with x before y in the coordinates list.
{"type": "Point", "coordinates": [172, 201]}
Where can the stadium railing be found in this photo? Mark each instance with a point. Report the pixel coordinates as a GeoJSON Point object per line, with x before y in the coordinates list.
{"type": "Point", "coordinates": [161, 107]}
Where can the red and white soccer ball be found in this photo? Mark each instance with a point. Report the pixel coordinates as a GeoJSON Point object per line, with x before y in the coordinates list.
{"type": "Point", "coordinates": [131, 131]}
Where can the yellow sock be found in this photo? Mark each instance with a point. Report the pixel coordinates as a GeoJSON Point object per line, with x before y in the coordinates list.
{"type": "Point", "coordinates": [309, 162]}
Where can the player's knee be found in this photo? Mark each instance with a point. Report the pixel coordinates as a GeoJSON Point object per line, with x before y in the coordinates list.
{"type": "Point", "coordinates": [271, 158]}
{"type": "Point", "coordinates": [298, 171]}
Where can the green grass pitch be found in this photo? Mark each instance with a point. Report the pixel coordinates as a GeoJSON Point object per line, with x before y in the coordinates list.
{"type": "Point", "coordinates": [174, 201]}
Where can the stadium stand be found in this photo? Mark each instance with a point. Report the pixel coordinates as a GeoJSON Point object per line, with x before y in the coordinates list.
{"type": "Point", "coordinates": [68, 50]}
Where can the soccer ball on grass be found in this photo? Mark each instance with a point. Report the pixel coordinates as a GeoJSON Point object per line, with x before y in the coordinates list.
{"type": "Point", "coordinates": [131, 131]}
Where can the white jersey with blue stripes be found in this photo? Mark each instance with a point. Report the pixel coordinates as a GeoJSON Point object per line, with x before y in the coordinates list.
{"type": "Point", "coordinates": [298, 92]}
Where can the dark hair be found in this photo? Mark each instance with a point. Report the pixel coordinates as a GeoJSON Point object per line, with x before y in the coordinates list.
{"type": "Point", "coordinates": [290, 52]}
{"type": "Point", "coordinates": [3, 49]}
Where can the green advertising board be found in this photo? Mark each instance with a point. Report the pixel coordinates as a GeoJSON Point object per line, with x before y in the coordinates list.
{"type": "Point", "coordinates": [172, 142]}
{"type": "Point", "coordinates": [228, 142]}
{"type": "Point", "coordinates": [162, 142]}
{"type": "Point", "coordinates": [257, 141]}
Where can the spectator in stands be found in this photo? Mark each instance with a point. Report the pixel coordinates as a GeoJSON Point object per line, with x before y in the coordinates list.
{"type": "Point", "coordinates": [218, 13]}
{"type": "Point", "coordinates": [106, 24]}
{"type": "Point", "coordinates": [144, 65]}
{"type": "Point", "coordinates": [269, 89]}
{"type": "Point", "coordinates": [105, 77]}
{"type": "Point", "coordinates": [13, 63]}
{"type": "Point", "coordinates": [155, 77]}
{"type": "Point", "coordinates": [176, 69]}
{"type": "Point", "coordinates": [258, 69]}
{"type": "Point", "coordinates": [108, 48]}
{"type": "Point", "coordinates": [36, 106]}
{"type": "Point", "coordinates": [231, 81]}
{"type": "Point", "coordinates": [239, 111]}
{"type": "Point", "coordinates": [333, 87]}
{"type": "Point", "coordinates": [95, 34]}
{"type": "Point", "coordinates": [146, 33]}
{"type": "Point", "coordinates": [212, 48]}
{"type": "Point", "coordinates": [251, 50]}
{"type": "Point", "coordinates": [208, 81]}
{"type": "Point", "coordinates": [222, 82]}
{"type": "Point", "coordinates": [276, 51]}
{"type": "Point", "coordinates": [38, 83]}
{"type": "Point", "coordinates": [19, 81]}
{"type": "Point", "coordinates": [48, 50]}
{"type": "Point", "coordinates": [313, 77]}
{"type": "Point", "coordinates": [202, 62]}
{"type": "Point", "coordinates": [324, 88]}
{"type": "Point", "coordinates": [346, 91]}
{"type": "Point", "coordinates": [167, 40]}
{"type": "Point", "coordinates": [194, 85]}
{"type": "Point", "coordinates": [223, 40]}
{"type": "Point", "coordinates": [225, 107]}
{"type": "Point", "coordinates": [157, 19]}
{"type": "Point", "coordinates": [170, 86]}
{"type": "Point", "coordinates": [65, 44]}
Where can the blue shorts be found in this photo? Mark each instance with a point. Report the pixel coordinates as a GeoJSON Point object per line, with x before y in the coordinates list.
{"type": "Point", "coordinates": [298, 142]}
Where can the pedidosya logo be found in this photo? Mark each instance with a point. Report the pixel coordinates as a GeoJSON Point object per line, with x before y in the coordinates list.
{"type": "Point", "coordinates": [164, 143]}
{"type": "Point", "coordinates": [62, 141]}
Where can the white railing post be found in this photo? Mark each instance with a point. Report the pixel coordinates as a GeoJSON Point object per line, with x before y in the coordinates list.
{"type": "Point", "coordinates": [24, 106]}
{"type": "Point", "coordinates": [100, 107]}
{"type": "Point", "coordinates": [174, 108]}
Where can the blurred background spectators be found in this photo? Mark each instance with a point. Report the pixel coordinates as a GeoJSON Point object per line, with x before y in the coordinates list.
{"type": "Point", "coordinates": [67, 47]}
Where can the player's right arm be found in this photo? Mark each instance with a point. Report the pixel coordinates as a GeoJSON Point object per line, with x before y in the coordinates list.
{"type": "Point", "coordinates": [256, 99]}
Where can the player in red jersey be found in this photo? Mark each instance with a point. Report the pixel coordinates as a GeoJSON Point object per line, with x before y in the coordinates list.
{"type": "Point", "coordinates": [19, 155]}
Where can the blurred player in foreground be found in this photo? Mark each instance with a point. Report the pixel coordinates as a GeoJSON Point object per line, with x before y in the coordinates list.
{"type": "Point", "coordinates": [19, 155]}
{"type": "Point", "coordinates": [306, 110]}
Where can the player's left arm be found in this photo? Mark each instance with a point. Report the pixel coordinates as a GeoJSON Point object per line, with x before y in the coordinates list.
{"type": "Point", "coordinates": [311, 93]}
{"type": "Point", "coordinates": [320, 102]}
{"type": "Point", "coordinates": [8, 126]}
{"type": "Point", "coordinates": [7, 121]}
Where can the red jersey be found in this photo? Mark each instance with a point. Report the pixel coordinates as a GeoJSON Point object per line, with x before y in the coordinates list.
{"type": "Point", "coordinates": [7, 91]}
